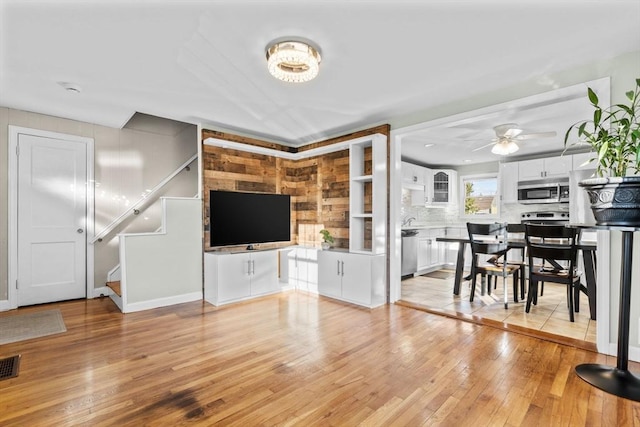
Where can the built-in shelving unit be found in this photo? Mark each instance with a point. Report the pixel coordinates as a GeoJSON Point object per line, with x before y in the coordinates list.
{"type": "Point", "coordinates": [367, 195]}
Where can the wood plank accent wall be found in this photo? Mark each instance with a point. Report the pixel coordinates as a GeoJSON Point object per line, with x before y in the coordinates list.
{"type": "Point", "coordinates": [318, 186]}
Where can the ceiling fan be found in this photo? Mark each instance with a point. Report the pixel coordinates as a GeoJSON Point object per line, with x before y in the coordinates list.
{"type": "Point", "coordinates": [506, 136]}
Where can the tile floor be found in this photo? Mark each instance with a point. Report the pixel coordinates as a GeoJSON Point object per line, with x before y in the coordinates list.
{"type": "Point", "coordinates": [550, 315]}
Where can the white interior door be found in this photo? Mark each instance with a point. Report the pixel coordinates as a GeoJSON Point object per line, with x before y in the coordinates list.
{"type": "Point", "coordinates": [51, 219]}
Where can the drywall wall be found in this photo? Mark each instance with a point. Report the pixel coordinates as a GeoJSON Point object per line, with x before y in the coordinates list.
{"type": "Point", "coordinates": [127, 163]}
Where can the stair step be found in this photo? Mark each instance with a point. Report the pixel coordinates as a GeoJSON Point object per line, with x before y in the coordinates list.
{"type": "Point", "coordinates": [115, 286]}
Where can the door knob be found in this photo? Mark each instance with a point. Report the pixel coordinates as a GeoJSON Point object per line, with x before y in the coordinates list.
{"type": "Point", "coordinates": [80, 230]}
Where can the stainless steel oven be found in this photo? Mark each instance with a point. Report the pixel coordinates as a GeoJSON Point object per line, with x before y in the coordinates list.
{"type": "Point", "coordinates": [545, 217]}
{"type": "Point", "coordinates": [543, 191]}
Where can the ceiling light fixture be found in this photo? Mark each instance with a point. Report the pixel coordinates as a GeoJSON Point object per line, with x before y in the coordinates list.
{"type": "Point", "coordinates": [293, 61]}
{"type": "Point", "coordinates": [428, 145]}
{"type": "Point", "coordinates": [505, 147]}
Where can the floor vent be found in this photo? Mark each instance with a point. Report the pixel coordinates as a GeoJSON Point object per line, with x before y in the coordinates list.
{"type": "Point", "coordinates": [9, 367]}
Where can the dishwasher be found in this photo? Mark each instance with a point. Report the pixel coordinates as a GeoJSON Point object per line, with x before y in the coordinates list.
{"type": "Point", "coordinates": [409, 252]}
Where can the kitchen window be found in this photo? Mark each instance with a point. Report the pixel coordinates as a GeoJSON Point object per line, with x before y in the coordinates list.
{"type": "Point", "coordinates": [480, 197]}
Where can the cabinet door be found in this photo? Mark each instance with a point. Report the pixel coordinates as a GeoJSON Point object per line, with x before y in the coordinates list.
{"type": "Point", "coordinates": [530, 169]}
{"type": "Point", "coordinates": [424, 252]}
{"type": "Point", "coordinates": [434, 253]}
{"type": "Point", "coordinates": [412, 174]}
{"type": "Point", "coordinates": [509, 182]}
{"type": "Point", "coordinates": [264, 272]}
{"type": "Point", "coordinates": [311, 269]}
{"type": "Point", "coordinates": [428, 185]}
{"type": "Point", "coordinates": [356, 279]}
{"type": "Point", "coordinates": [233, 277]}
{"type": "Point", "coordinates": [557, 167]}
{"type": "Point", "coordinates": [437, 248]}
{"type": "Point", "coordinates": [292, 267]}
{"type": "Point", "coordinates": [329, 274]}
{"type": "Point", "coordinates": [417, 198]}
{"type": "Point", "coordinates": [441, 187]}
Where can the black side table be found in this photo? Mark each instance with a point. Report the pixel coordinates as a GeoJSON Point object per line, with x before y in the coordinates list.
{"type": "Point", "coordinates": [618, 380]}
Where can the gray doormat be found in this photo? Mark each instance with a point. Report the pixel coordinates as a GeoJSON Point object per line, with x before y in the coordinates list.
{"type": "Point", "coordinates": [20, 327]}
{"type": "Point", "coordinates": [9, 367]}
{"type": "Point", "coordinates": [440, 274]}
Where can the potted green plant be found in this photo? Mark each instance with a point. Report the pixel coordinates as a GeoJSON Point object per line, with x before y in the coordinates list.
{"type": "Point", "coordinates": [614, 136]}
{"type": "Point", "coordinates": [327, 239]}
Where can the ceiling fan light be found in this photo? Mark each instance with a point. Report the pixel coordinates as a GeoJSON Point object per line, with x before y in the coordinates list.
{"type": "Point", "coordinates": [504, 148]}
{"type": "Point", "coordinates": [293, 61]}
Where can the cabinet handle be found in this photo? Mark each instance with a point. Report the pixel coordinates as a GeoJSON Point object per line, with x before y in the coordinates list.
{"type": "Point", "coordinates": [342, 262]}
{"type": "Point", "coordinates": [249, 268]}
{"type": "Point", "coordinates": [253, 267]}
{"type": "Point", "coordinates": [338, 273]}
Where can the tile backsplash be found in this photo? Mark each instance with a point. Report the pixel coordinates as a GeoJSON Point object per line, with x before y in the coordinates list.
{"type": "Point", "coordinates": [451, 215]}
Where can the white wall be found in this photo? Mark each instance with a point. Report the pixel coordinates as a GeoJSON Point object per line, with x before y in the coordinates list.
{"type": "Point", "coordinates": [164, 268]}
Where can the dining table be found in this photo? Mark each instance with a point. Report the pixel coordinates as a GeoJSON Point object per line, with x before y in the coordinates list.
{"type": "Point", "coordinates": [588, 249]}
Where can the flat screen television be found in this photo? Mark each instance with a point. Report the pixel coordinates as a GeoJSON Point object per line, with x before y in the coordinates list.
{"type": "Point", "coordinates": [237, 218]}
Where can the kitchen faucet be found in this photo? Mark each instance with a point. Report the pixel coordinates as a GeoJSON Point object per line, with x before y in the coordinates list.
{"type": "Point", "coordinates": [407, 221]}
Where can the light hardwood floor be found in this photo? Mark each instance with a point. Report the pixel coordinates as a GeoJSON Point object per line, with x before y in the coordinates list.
{"type": "Point", "coordinates": [550, 315]}
{"type": "Point", "coordinates": [296, 359]}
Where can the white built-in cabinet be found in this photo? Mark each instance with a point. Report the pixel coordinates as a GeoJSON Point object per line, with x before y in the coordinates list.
{"type": "Point", "coordinates": [368, 195]}
{"type": "Point", "coordinates": [230, 277]}
{"type": "Point", "coordinates": [355, 278]}
{"type": "Point", "coordinates": [549, 167]}
{"type": "Point", "coordinates": [301, 268]}
{"type": "Point", "coordinates": [358, 276]}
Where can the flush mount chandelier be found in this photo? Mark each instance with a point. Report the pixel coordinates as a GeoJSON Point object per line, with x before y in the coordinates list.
{"type": "Point", "coordinates": [293, 61]}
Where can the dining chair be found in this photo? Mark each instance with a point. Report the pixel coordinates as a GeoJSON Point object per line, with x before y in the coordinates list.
{"type": "Point", "coordinates": [516, 231]}
{"type": "Point", "coordinates": [557, 245]}
{"type": "Point", "coordinates": [490, 240]}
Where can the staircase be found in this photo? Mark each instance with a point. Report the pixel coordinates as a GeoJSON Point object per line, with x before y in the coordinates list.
{"type": "Point", "coordinates": [152, 225]}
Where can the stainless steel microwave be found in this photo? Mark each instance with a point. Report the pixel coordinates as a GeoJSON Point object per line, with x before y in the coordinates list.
{"type": "Point", "coordinates": [544, 191]}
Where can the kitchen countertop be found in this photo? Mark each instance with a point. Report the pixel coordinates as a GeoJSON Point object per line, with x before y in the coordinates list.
{"type": "Point", "coordinates": [432, 226]}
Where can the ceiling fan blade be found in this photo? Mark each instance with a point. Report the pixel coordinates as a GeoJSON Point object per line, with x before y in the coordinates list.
{"type": "Point", "coordinates": [484, 146]}
{"type": "Point", "coordinates": [512, 132]}
{"type": "Point", "coordinates": [536, 135]}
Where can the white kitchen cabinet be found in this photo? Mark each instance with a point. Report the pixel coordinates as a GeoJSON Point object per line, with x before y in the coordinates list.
{"type": "Point", "coordinates": [412, 174]}
{"type": "Point", "coordinates": [355, 278]}
{"type": "Point", "coordinates": [230, 277]}
{"type": "Point", "coordinates": [509, 182]}
{"type": "Point", "coordinates": [442, 187]}
{"type": "Point", "coordinates": [431, 253]}
{"type": "Point", "coordinates": [581, 161]}
{"type": "Point", "coordinates": [413, 180]}
{"type": "Point", "coordinates": [549, 167]}
{"type": "Point", "coordinates": [302, 268]}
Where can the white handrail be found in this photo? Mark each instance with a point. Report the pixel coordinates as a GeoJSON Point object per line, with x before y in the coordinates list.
{"type": "Point", "coordinates": [116, 222]}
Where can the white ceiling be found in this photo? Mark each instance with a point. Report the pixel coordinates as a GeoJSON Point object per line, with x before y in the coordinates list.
{"type": "Point", "coordinates": [383, 61]}
{"type": "Point", "coordinates": [467, 138]}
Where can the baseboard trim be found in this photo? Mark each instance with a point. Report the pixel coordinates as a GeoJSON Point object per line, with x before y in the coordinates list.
{"type": "Point", "coordinates": [162, 302]}
{"type": "Point", "coordinates": [4, 305]}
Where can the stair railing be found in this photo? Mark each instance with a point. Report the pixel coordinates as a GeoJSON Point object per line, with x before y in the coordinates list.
{"type": "Point", "coordinates": [133, 210]}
